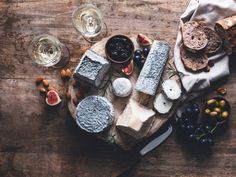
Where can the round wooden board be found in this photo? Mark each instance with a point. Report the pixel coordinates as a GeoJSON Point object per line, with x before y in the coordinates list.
{"type": "Point", "coordinates": [113, 135]}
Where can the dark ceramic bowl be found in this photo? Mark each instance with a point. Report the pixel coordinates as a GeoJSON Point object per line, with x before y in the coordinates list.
{"type": "Point", "coordinates": [217, 120]}
{"type": "Point", "coordinates": [119, 49]}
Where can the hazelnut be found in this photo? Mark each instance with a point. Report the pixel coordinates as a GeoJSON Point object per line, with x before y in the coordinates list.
{"type": "Point", "coordinates": [63, 74]}
{"type": "Point", "coordinates": [68, 73]}
{"type": "Point", "coordinates": [45, 83]}
{"type": "Point", "coordinates": [38, 80]}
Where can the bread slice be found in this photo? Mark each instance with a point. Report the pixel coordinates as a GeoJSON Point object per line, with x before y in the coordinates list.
{"type": "Point", "coordinates": [194, 38]}
{"type": "Point", "coordinates": [193, 61]}
{"type": "Point", "coordinates": [214, 41]}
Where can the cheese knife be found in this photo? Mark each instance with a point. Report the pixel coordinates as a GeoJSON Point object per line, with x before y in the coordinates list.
{"type": "Point", "coordinates": [156, 141]}
{"type": "Point", "coordinates": [135, 157]}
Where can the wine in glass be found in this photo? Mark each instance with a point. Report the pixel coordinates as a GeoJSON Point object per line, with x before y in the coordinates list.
{"type": "Point", "coordinates": [47, 50]}
{"type": "Point", "coordinates": [88, 20]}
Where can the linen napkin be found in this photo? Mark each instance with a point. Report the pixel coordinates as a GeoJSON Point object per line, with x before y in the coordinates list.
{"type": "Point", "coordinates": [208, 11]}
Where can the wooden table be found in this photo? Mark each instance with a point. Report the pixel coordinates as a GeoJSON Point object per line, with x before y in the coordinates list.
{"type": "Point", "coordinates": [36, 141]}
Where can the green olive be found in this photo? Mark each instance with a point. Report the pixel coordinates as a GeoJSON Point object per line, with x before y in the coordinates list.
{"type": "Point", "coordinates": [222, 103]}
{"type": "Point", "coordinates": [207, 111]}
{"type": "Point", "coordinates": [225, 114]}
{"type": "Point", "coordinates": [213, 114]}
{"type": "Point", "coordinates": [218, 110]}
{"type": "Point", "coordinates": [211, 102]}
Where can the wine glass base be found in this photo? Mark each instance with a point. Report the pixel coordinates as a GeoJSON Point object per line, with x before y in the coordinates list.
{"type": "Point", "coordinates": [64, 59]}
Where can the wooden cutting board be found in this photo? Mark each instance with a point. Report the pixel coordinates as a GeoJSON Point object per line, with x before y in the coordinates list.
{"type": "Point", "coordinates": [113, 135]}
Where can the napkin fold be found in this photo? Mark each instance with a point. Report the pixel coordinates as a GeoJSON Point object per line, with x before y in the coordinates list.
{"type": "Point", "coordinates": [208, 11]}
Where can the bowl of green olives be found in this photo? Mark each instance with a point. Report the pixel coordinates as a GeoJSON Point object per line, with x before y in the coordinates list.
{"type": "Point", "coordinates": [217, 110]}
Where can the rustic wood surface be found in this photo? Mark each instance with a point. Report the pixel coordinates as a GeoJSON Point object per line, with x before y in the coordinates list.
{"type": "Point", "coordinates": [36, 141]}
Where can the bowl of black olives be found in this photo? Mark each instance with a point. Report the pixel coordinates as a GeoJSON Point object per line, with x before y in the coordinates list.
{"type": "Point", "coordinates": [119, 49]}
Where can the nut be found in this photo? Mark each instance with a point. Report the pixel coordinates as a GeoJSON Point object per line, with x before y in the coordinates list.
{"type": "Point", "coordinates": [38, 80]}
{"type": "Point", "coordinates": [218, 110]}
{"type": "Point", "coordinates": [213, 114]}
{"type": "Point", "coordinates": [211, 102]}
{"type": "Point", "coordinates": [221, 91]}
{"type": "Point", "coordinates": [43, 91]}
{"type": "Point", "coordinates": [68, 73]}
{"type": "Point", "coordinates": [45, 83]}
{"type": "Point", "coordinates": [63, 74]}
{"type": "Point", "coordinates": [224, 114]}
{"type": "Point", "coordinates": [207, 111]}
{"type": "Point", "coordinates": [222, 103]}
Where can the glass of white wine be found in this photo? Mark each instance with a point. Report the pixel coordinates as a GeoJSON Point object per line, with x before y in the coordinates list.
{"type": "Point", "coordinates": [47, 50]}
{"type": "Point", "coordinates": [88, 21]}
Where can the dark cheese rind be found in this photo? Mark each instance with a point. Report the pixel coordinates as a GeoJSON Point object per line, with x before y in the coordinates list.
{"type": "Point", "coordinates": [152, 70]}
{"type": "Point", "coordinates": [92, 68]}
{"type": "Point", "coordinates": [94, 114]}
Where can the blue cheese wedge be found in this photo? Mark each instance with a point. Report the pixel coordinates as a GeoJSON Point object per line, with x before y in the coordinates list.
{"type": "Point", "coordinates": [94, 114]}
{"type": "Point", "coordinates": [152, 70]}
{"type": "Point", "coordinates": [135, 120]}
{"type": "Point", "coordinates": [92, 68]}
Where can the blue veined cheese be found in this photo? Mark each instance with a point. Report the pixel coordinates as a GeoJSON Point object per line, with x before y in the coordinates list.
{"type": "Point", "coordinates": [152, 70]}
{"type": "Point", "coordinates": [92, 68]}
{"type": "Point", "coordinates": [94, 114]}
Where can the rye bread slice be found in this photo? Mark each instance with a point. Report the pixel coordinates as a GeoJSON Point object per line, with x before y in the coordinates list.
{"type": "Point", "coordinates": [193, 61]}
{"type": "Point", "coordinates": [214, 41]}
{"type": "Point", "coordinates": [194, 38]}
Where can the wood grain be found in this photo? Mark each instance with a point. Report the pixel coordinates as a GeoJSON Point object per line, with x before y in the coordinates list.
{"type": "Point", "coordinates": [37, 141]}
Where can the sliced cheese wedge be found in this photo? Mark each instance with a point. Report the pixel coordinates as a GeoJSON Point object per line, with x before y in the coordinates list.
{"type": "Point", "coordinates": [171, 89]}
{"type": "Point", "coordinates": [162, 104]}
{"type": "Point", "coordinates": [135, 120]}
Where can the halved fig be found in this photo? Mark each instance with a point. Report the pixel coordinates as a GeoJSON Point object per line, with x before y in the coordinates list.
{"type": "Point", "coordinates": [143, 40]}
{"type": "Point", "coordinates": [52, 98]}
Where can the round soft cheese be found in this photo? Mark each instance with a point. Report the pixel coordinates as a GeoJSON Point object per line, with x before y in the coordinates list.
{"type": "Point", "coordinates": [94, 114]}
{"type": "Point", "coordinates": [122, 87]}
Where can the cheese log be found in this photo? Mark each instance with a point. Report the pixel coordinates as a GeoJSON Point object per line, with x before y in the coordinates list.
{"type": "Point", "coordinates": [135, 120]}
{"type": "Point", "coordinates": [92, 68]}
{"type": "Point", "coordinates": [226, 28]}
{"type": "Point", "coordinates": [162, 104]}
{"type": "Point", "coordinates": [152, 70]}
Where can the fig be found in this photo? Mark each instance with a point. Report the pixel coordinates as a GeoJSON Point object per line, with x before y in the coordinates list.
{"type": "Point", "coordinates": [143, 40]}
{"type": "Point", "coordinates": [52, 98]}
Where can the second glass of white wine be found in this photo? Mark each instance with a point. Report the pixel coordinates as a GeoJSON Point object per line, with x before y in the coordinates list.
{"type": "Point", "coordinates": [88, 21]}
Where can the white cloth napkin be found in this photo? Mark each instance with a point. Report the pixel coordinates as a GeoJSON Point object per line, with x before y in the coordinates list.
{"type": "Point", "coordinates": [209, 11]}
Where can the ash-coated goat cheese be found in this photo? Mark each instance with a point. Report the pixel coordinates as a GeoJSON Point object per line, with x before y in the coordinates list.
{"type": "Point", "coordinates": [92, 68]}
{"type": "Point", "coordinates": [152, 70]}
{"type": "Point", "coordinates": [94, 114]}
{"type": "Point", "coordinates": [121, 87]}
